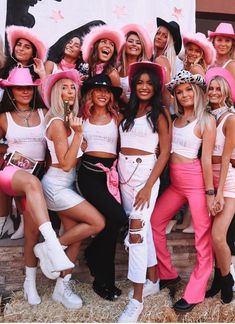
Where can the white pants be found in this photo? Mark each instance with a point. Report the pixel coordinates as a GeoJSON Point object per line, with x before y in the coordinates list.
{"type": "Point", "coordinates": [133, 176]}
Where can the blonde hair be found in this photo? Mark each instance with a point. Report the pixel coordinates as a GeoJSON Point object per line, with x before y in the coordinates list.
{"type": "Point", "coordinates": [57, 104]}
{"type": "Point", "coordinates": [200, 111]}
{"type": "Point", "coordinates": [142, 57]}
{"type": "Point", "coordinates": [201, 61]}
{"type": "Point", "coordinates": [169, 52]}
{"type": "Point", "coordinates": [2, 55]}
{"type": "Point", "coordinates": [225, 90]}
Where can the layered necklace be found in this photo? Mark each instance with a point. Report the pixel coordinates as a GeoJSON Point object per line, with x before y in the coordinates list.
{"type": "Point", "coordinates": [20, 65]}
{"type": "Point", "coordinates": [25, 118]}
{"type": "Point", "coordinates": [217, 113]}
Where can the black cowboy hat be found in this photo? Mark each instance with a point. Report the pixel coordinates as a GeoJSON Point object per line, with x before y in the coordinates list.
{"type": "Point", "coordinates": [174, 29]}
{"type": "Point", "coordinates": [101, 80]}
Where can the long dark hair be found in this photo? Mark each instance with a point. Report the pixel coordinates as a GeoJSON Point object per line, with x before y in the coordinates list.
{"type": "Point", "coordinates": [93, 60]}
{"type": "Point", "coordinates": [155, 103]}
{"type": "Point", "coordinates": [7, 103]}
{"type": "Point", "coordinates": [11, 63]}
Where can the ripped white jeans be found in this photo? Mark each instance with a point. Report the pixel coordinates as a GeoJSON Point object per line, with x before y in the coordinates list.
{"type": "Point", "coordinates": [134, 172]}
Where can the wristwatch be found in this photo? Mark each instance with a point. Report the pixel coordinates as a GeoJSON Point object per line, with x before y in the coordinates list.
{"type": "Point", "coordinates": [210, 192]}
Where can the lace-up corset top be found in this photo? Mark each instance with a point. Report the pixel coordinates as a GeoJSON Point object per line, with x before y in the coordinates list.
{"type": "Point", "coordinates": [220, 139]}
{"type": "Point", "coordinates": [140, 136]}
{"type": "Point", "coordinates": [26, 140]}
{"type": "Point", "coordinates": [101, 138]}
{"type": "Point", "coordinates": [51, 146]}
{"type": "Point", "coordinates": [184, 141]}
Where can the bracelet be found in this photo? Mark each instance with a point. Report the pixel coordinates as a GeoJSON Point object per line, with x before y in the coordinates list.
{"type": "Point", "coordinates": [210, 192]}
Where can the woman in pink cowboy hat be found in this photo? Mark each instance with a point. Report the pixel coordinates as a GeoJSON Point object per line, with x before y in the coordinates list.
{"type": "Point", "coordinates": [223, 39]}
{"type": "Point", "coordinates": [63, 134]}
{"type": "Point", "coordinates": [26, 49]}
{"type": "Point", "coordinates": [100, 49]}
{"type": "Point", "coordinates": [220, 96]}
{"type": "Point", "coordinates": [192, 182]}
{"type": "Point", "coordinates": [137, 48]}
{"type": "Point", "coordinates": [22, 124]}
{"type": "Point", "coordinates": [97, 178]}
{"type": "Point", "coordinates": [199, 53]}
{"type": "Point", "coordinates": [146, 124]}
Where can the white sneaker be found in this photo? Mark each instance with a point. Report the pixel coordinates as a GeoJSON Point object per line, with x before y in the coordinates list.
{"type": "Point", "coordinates": [6, 226]}
{"type": "Point", "coordinates": [150, 288]}
{"type": "Point", "coordinates": [19, 233]}
{"type": "Point", "coordinates": [189, 229]}
{"type": "Point", "coordinates": [40, 251]}
{"type": "Point", "coordinates": [170, 225]}
{"type": "Point", "coordinates": [232, 271]}
{"type": "Point", "coordinates": [131, 312]}
{"type": "Point", "coordinates": [65, 294]}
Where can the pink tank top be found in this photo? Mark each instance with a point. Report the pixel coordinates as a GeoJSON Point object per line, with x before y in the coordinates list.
{"type": "Point", "coordinates": [220, 139]}
{"type": "Point", "coordinates": [29, 141]}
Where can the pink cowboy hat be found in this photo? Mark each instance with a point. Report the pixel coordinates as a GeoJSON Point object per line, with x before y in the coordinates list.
{"type": "Point", "coordinates": [101, 32]}
{"type": "Point", "coordinates": [19, 77]}
{"type": "Point", "coordinates": [50, 80]}
{"type": "Point", "coordinates": [219, 71]}
{"type": "Point", "coordinates": [200, 40]}
{"type": "Point", "coordinates": [223, 29]}
{"type": "Point", "coordinates": [138, 66]}
{"type": "Point", "coordinates": [142, 32]}
{"type": "Point", "coordinates": [16, 32]}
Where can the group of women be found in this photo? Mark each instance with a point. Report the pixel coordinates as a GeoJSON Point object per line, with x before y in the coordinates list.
{"type": "Point", "coordinates": [109, 137]}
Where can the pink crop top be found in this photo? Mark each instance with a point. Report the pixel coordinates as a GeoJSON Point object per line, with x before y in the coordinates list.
{"type": "Point", "coordinates": [220, 139]}
{"type": "Point", "coordinates": [140, 136]}
{"type": "Point", "coordinates": [101, 138]}
{"type": "Point", "coordinates": [51, 146]}
{"type": "Point", "coordinates": [29, 141]}
{"type": "Point", "coordinates": [184, 141]}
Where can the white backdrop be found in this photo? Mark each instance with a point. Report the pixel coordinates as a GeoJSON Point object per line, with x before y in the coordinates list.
{"type": "Point", "coordinates": [54, 19]}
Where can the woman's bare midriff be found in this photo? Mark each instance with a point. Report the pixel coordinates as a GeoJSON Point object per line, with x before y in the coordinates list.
{"type": "Point", "coordinates": [177, 158]}
{"type": "Point", "coordinates": [132, 151]}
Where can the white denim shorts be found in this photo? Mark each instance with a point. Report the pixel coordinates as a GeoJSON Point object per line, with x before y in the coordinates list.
{"type": "Point", "coordinates": [59, 189]}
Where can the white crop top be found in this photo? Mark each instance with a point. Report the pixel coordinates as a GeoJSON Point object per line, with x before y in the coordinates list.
{"type": "Point", "coordinates": [29, 141]}
{"type": "Point", "coordinates": [184, 141]}
{"type": "Point", "coordinates": [220, 139]}
{"type": "Point", "coordinates": [140, 136]}
{"type": "Point", "coordinates": [51, 146]}
{"type": "Point", "coordinates": [101, 138]}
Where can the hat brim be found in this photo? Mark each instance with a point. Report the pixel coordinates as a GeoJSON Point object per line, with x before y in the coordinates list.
{"type": "Point", "coordinates": [185, 77]}
{"type": "Point", "coordinates": [16, 32]}
{"type": "Point", "coordinates": [143, 32]}
{"type": "Point", "coordinates": [117, 91]}
{"type": "Point", "coordinates": [207, 47]}
{"type": "Point", "coordinates": [224, 73]}
{"type": "Point", "coordinates": [175, 32]}
{"type": "Point", "coordinates": [102, 32]}
{"type": "Point", "coordinates": [213, 34]}
{"type": "Point", "coordinates": [50, 80]}
{"type": "Point", "coordinates": [5, 83]}
{"type": "Point", "coordinates": [56, 49]}
{"type": "Point", "coordinates": [138, 66]}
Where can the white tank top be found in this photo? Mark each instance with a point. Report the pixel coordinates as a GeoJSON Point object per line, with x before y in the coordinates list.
{"type": "Point", "coordinates": [184, 141]}
{"type": "Point", "coordinates": [101, 138]}
{"type": "Point", "coordinates": [220, 139]}
{"type": "Point", "coordinates": [140, 136]}
{"type": "Point", "coordinates": [28, 141]}
{"type": "Point", "coordinates": [124, 81]}
{"type": "Point", "coordinates": [226, 63]}
{"type": "Point", "coordinates": [51, 146]}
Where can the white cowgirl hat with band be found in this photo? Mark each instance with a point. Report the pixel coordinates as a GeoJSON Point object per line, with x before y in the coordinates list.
{"type": "Point", "coordinates": [186, 77]}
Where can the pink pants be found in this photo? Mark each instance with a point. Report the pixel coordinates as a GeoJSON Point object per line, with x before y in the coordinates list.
{"type": "Point", "coordinates": [6, 176]}
{"type": "Point", "coordinates": [186, 185]}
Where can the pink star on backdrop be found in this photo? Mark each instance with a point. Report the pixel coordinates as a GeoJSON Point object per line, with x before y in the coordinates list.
{"type": "Point", "coordinates": [177, 13]}
{"type": "Point", "coordinates": [56, 15]}
{"type": "Point", "coordinates": [119, 11]}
